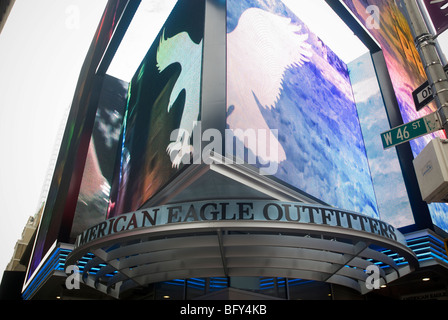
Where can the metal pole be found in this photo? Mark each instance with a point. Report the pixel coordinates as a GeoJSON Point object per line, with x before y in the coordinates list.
{"type": "Point", "coordinates": [432, 30]}
{"type": "Point", "coordinates": [427, 48]}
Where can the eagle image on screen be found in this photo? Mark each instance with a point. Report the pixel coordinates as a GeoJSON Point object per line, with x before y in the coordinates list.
{"type": "Point", "coordinates": [163, 97]}
{"type": "Point", "coordinates": [171, 51]}
{"type": "Point", "coordinates": [266, 63]}
{"type": "Point", "coordinates": [281, 76]}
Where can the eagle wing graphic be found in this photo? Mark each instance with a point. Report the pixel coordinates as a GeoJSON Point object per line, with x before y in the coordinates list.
{"type": "Point", "coordinates": [260, 49]}
{"type": "Point", "coordinates": [181, 49]}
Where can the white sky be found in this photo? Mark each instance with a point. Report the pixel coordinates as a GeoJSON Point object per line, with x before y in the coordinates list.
{"type": "Point", "coordinates": [42, 48]}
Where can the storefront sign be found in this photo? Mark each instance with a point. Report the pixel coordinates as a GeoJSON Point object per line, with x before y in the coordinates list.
{"type": "Point", "coordinates": [432, 295]}
{"type": "Point", "coordinates": [228, 210]}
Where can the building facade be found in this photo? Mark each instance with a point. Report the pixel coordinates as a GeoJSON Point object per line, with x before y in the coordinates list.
{"type": "Point", "coordinates": [5, 9]}
{"type": "Point", "coordinates": [242, 160]}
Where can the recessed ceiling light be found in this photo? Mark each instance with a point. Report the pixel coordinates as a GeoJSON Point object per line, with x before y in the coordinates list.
{"type": "Point", "coordinates": [426, 279]}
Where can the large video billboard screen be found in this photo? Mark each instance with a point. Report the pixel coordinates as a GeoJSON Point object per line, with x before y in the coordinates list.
{"type": "Point", "coordinates": [57, 217]}
{"type": "Point", "coordinates": [163, 97]}
{"type": "Point", "coordinates": [402, 59]}
{"type": "Point", "coordinates": [282, 78]}
{"type": "Point", "coordinates": [387, 176]}
{"type": "Point", "coordinates": [406, 71]}
{"type": "Point", "coordinates": [96, 182]}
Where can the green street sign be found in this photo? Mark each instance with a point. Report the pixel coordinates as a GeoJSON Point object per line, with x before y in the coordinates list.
{"type": "Point", "coordinates": [411, 130]}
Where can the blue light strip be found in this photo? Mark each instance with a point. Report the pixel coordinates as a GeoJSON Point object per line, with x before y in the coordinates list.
{"type": "Point", "coordinates": [56, 262]}
{"type": "Point", "coordinates": [218, 283]}
{"type": "Point", "coordinates": [53, 263]}
{"type": "Point", "coordinates": [425, 247]}
{"type": "Point", "coordinates": [298, 282]}
{"type": "Point", "coordinates": [428, 247]}
{"type": "Point", "coordinates": [176, 282]}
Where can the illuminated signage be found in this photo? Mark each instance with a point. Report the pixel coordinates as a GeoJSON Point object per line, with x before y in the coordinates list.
{"type": "Point", "coordinates": [241, 210]}
{"type": "Point", "coordinates": [281, 77]}
{"type": "Point", "coordinates": [406, 73]}
{"type": "Point", "coordinates": [164, 95]}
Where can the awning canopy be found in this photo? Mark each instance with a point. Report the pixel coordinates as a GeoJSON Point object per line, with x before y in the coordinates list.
{"type": "Point", "coordinates": [320, 252]}
{"type": "Point", "coordinates": [251, 226]}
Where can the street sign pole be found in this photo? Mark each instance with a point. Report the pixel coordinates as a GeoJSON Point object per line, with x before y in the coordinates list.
{"type": "Point", "coordinates": [426, 45]}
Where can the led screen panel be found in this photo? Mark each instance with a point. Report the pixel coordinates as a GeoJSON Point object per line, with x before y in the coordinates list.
{"type": "Point", "coordinates": [57, 217]}
{"type": "Point", "coordinates": [406, 72]}
{"type": "Point", "coordinates": [94, 193]}
{"type": "Point", "coordinates": [281, 78]}
{"type": "Point", "coordinates": [387, 177]}
{"type": "Point", "coordinates": [438, 11]}
{"type": "Point", "coordinates": [163, 96]}
{"type": "Point", "coordinates": [402, 59]}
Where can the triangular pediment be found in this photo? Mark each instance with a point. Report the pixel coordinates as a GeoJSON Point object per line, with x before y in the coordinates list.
{"type": "Point", "coordinates": [221, 180]}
